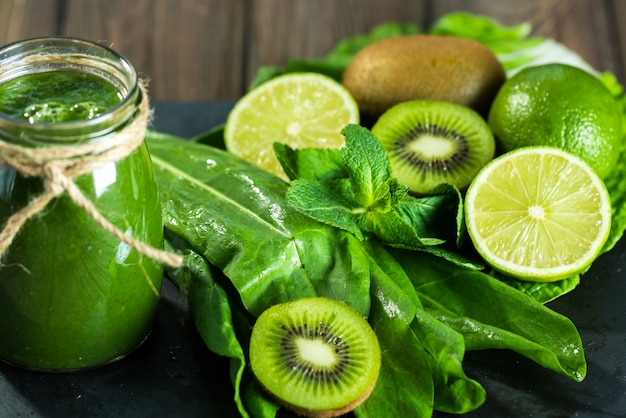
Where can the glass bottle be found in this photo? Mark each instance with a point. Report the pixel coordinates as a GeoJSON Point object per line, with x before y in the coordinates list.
{"type": "Point", "coordinates": [72, 295]}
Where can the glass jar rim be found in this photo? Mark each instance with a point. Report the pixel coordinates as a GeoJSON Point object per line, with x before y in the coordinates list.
{"type": "Point", "coordinates": [97, 58]}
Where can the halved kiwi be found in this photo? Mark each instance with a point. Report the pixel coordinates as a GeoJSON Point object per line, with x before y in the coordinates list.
{"type": "Point", "coordinates": [316, 356]}
{"type": "Point", "coordinates": [430, 142]}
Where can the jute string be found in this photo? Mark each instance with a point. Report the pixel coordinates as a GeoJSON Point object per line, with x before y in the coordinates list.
{"type": "Point", "coordinates": [59, 165]}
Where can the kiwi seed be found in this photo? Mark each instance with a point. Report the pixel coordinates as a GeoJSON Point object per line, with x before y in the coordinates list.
{"type": "Point", "coordinates": [316, 356]}
{"type": "Point", "coordinates": [430, 142]}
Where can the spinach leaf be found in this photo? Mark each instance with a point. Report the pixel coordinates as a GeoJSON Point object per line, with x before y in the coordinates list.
{"type": "Point", "coordinates": [235, 215]}
{"type": "Point", "coordinates": [405, 385]}
{"type": "Point", "coordinates": [210, 308]}
{"type": "Point", "coordinates": [213, 137]}
{"type": "Point", "coordinates": [223, 324]}
{"type": "Point", "coordinates": [491, 314]}
{"type": "Point", "coordinates": [454, 392]}
{"type": "Point", "coordinates": [258, 404]}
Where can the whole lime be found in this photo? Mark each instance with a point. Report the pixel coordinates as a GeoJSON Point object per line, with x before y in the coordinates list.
{"type": "Point", "coordinates": [562, 106]}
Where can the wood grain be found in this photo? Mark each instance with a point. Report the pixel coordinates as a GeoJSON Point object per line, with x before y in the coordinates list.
{"type": "Point", "coordinates": [27, 18]}
{"type": "Point", "coordinates": [306, 32]}
{"type": "Point", "coordinates": [209, 50]}
{"type": "Point", "coordinates": [189, 49]}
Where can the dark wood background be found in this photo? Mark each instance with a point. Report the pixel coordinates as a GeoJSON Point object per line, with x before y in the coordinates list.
{"type": "Point", "coordinates": [208, 50]}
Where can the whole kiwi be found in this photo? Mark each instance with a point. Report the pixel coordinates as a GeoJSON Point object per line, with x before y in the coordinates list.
{"type": "Point", "coordinates": [316, 356]}
{"type": "Point", "coordinates": [413, 67]}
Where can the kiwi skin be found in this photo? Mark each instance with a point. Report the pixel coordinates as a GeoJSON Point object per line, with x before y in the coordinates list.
{"type": "Point", "coordinates": [413, 67]}
{"type": "Point", "coordinates": [302, 385]}
{"type": "Point", "coordinates": [430, 142]}
{"type": "Point", "coordinates": [328, 413]}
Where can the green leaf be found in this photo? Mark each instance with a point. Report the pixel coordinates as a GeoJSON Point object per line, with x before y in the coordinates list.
{"type": "Point", "coordinates": [351, 45]}
{"type": "Point", "coordinates": [491, 314]}
{"type": "Point", "coordinates": [369, 169]}
{"type": "Point", "coordinates": [405, 386]}
{"type": "Point", "coordinates": [363, 198]}
{"type": "Point", "coordinates": [454, 391]}
{"type": "Point", "coordinates": [256, 400]}
{"type": "Point", "coordinates": [511, 44]}
{"type": "Point", "coordinates": [326, 202]}
{"type": "Point", "coordinates": [310, 163]}
{"type": "Point", "coordinates": [332, 67]}
{"type": "Point", "coordinates": [210, 308]}
{"type": "Point", "coordinates": [265, 73]}
{"type": "Point", "coordinates": [391, 284]}
{"type": "Point", "coordinates": [449, 203]}
{"type": "Point", "coordinates": [480, 28]}
{"type": "Point", "coordinates": [615, 183]}
{"type": "Point", "coordinates": [542, 292]}
{"type": "Point", "coordinates": [394, 230]}
{"type": "Point", "coordinates": [432, 216]}
{"type": "Point", "coordinates": [213, 137]}
{"type": "Point", "coordinates": [235, 215]}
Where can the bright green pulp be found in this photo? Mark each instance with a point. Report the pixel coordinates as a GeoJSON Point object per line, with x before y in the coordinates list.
{"type": "Point", "coordinates": [72, 295]}
{"type": "Point", "coordinates": [57, 96]}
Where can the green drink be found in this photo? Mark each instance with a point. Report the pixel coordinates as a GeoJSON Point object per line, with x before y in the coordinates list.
{"type": "Point", "coordinates": [72, 295]}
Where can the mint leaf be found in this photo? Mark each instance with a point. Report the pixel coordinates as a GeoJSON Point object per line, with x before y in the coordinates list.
{"type": "Point", "coordinates": [310, 163]}
{"type": "Point", "coordinates": [328, 202]}
{"type": "Point", "coordinates": [393, 230]}
{"type": "Point", "coordinates": [360, 195]}
{"type": "Point", "coordinates": [369, 170]}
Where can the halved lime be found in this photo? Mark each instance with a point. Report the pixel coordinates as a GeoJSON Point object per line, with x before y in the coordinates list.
{"type": "Point", "coordinates": [538, 214]}
{"type": "Point", "coordinates": [298, 109]}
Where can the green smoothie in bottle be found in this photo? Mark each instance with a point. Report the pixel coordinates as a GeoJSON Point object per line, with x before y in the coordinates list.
{"type": "Point", "coordinates": [72, 295]}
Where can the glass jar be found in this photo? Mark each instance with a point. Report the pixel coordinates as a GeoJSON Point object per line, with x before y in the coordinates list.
{"type": "Point", "coordinates": [72, 295]}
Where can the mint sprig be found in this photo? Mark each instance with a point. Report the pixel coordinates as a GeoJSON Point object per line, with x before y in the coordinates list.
{"type": "Point", "coordinates": [354, 189]}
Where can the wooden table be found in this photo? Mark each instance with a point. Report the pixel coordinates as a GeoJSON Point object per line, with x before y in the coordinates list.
{"type": "Point", "coordinates": [208, 50]}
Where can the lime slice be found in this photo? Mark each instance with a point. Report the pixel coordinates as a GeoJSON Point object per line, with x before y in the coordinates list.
{"type": "Point", "coordinates": [538, 214]}
{"type": "Point", "coordinates": [299, 109]}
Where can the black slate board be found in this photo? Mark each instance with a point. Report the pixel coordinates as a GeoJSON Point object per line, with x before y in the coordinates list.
{"type": "Point", "coordinates": [173, 374]}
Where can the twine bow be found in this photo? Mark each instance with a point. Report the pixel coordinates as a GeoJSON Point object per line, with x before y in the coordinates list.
{"type": "Point", "coordinates": [59, 165]}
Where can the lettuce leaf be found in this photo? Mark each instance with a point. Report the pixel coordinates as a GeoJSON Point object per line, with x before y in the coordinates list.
{"type": "Point", "coordinates": [512, 45]}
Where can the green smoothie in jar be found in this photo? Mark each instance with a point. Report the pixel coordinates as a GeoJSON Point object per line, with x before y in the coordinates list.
{"type": "Point", "coordinates": [72, 295]}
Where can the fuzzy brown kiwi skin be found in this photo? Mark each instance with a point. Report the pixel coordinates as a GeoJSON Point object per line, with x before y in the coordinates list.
{"type": "Point", "coordinates": [412, 67]}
